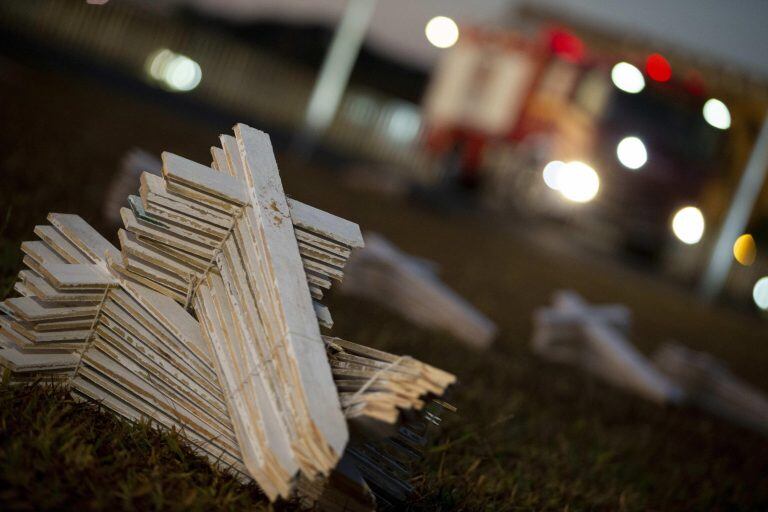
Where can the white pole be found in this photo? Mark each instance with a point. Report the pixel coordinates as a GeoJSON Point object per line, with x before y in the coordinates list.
{"type": "Point", "coordinates": [736, 219]}
{"type": "Point", "coordinates": [336, 68]}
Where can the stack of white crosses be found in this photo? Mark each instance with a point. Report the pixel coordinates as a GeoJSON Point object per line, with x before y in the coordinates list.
{"type": "Point", "coordinates": [207, 320]}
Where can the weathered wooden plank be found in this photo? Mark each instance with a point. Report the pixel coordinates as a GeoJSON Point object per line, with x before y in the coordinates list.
{"type": "Point", "coordinates": [190, 223]}
{"type": "Point", "coordinates": [323, 269]}
{"type": "Point", "coordinates": [319, 254]}
{"type": "Point", "coordinates": [154, 191]}
{"type": "Point", "coordinates": [316, 292]}
{"type": "Point", "coordinates": [193, 261]}
{"type": "Point", "coordinates": [137, 410]}
{"type": "Point", "coordinates": [219, 162]}
{"type": "Point", "coordinates": [175, 398]}
{"type": "Point", "coordinates": [117, 323]}
{"type": "Point", "coordinates": [129, 275]}
{"type": "Point", "coordinates": [322, 243]}
{"type": "Point", "coordinates": [323, 315]}
{"type": "Point", "coordinates": [248, 427]}
{"type": "Point", "coordinates": [126, 386]}
{"type": "Point", "coordinates": [20, 288]}
{"type": "Point", "coordinates": [13, 331]}
{"type": "Point", "coordinates": [177, 169]}
{"type": "Point", "coordinates": [35, 309]}
{"type": "Point", "coordinates": [325, 224]}
{"type": "Point", "coordinates": [16, 360]}
{"type": "Point", "coordinates": [60, 325]}
{"type": "Point", "coordinates": [41, 252]}
{"type": "Point", "coordinates": [61, 245]}
{"type": "Point", "coordinates": [164, 236]}
{"type": "Point", "coordinates": [174, 318]}
{"type": "Point", "coordinates": [45, 291]}
{"type": "Point", "coordinates": [155, 362]}
{"type": "Point", "coordinates": [75, 276]}
{"type": "Point", "coordinates": [315, 279]}
{"type": "Point", "coordinates": [176, 228]}
{"type": "Point", "coordinates": [131, 246]}
{"type": "Point", "coordinates": [51, 337]}
{"type": "Point", "coordinates": [231, 152]}
{"type": "Point", "coordinates": [270, 211]}
{"type": "Point", "coordinates": [83, 236]}
{"type": "Point", "coordinates": [156, 273]}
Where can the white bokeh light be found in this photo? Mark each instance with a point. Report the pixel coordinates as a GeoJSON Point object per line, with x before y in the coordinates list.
{"type": "Point", "coordinates": [175, 71]}
{"type": "Point", "coordinates": [627, 77]}
{"type": "Point", "coordinates": [183, 74]}
{"type": "Point", "coordinates": [688, 225]}
{"type": "Point", "coordinates": [631, 153]}
{"type": "Point", "coordinates": [578, 182]}
{"type": "Point", "coordinates": [404, 122]}
{"type": "Point", "coordinates": [442, 31]}
{"type": "Point", "coordinates": [551, 174]}
{"type": "Point", "coordinates": [157, 62]}
{"type": "Point", "coordinates": [716, 113]}
{"type": "Point", "coordinates": [760, 293]}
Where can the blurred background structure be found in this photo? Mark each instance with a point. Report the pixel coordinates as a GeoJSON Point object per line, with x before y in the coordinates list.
{"type": "Point", "coordinates": [622, 130]}
{"type": "Point", "coordinates": [617, 148]}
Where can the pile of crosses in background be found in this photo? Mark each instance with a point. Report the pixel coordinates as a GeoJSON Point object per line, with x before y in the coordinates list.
{"type": "Point", "coordinates": [596, 338]}
{"type": "Point", "coordinates": [206, 320]}
{"type": "Point", "coordinates": [410, 286]}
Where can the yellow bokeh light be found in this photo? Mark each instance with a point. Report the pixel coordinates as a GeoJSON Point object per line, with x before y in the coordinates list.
{"type": "Point", "coordinates": [744, 250]}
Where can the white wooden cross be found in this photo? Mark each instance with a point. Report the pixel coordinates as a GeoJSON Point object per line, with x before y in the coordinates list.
{"type": "Point", "coordinates": [595, 338]}
{"type": "Point", "coordinates": [710, 385]}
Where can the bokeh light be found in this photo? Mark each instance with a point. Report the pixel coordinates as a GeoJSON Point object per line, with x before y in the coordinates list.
{"type": "Point", "coordinates": [688, 225]}
{"type": "Point", "coordinates": [760, 293]}
{"type": "Point", "coordinates": [631, 153]}
{"type": "Point", "coordinates": [716, 113]}
{"type": "Point", "coordinates": [566, 45]}
{"type": "Point", "coordinates": [627, 77]}
{"type": "Point", "coordinates": [183, 74]}
{"type": "Point", "coordinates": [442, 31]}
{"type": "Point", "coordinates": [744, 250]}
{"type": "Point", "coordinates": [658, 68]}
{"type": "Point", "coordinates": [177, 72]}
{"type": "Point", "coordinates": [157, 63]}
{"type": "Point", "coordinates": [578, 182]}
{"type": "Point", "coordinates": [551, 174]}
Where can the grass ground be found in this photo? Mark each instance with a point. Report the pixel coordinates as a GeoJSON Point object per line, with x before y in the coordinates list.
{"type": "Point", "coordinates": [528, 435]}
